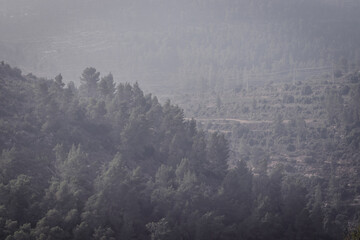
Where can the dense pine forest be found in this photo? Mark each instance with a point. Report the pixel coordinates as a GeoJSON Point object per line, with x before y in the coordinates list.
{"type": "Point", "coordinates": [246, 125]}
{"type": "Point", "coordinates": [106, 161]}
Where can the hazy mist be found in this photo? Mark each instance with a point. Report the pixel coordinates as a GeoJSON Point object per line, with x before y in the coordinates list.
{"type": "Point", "coordinates": [179, 119]}
{"type": "Point", "coordinates": [176, 43]}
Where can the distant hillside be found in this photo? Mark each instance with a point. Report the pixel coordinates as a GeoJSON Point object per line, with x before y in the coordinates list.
{"type": "Point", "coordinates": [313, 122]}
{"type": "Point", "coordinates": [309, 127]}
{"type": "Point", "coordinates": [188, 45]}
{"type": "Point", "coordinates": [106, 161]}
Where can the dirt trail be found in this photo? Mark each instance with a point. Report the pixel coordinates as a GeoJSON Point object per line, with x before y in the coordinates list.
{"type": "Point", "coordinates": [232, 120]}
{"type": "Point", "coordinates": [243, 121]}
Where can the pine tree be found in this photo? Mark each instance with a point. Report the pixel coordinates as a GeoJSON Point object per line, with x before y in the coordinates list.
{"type": "Point", "coordinates": [89, 82]}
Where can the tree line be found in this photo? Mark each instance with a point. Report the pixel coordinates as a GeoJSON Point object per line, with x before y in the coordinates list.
{"type": "Point", "coordinates": [106, 161]}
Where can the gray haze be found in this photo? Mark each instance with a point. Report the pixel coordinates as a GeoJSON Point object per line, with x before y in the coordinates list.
{"type": "Point", "coordinates": [187, 45]}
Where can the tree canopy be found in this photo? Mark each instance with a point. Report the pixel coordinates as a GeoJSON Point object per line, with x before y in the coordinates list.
{"type": "Point", "coordinates": [117, 164]}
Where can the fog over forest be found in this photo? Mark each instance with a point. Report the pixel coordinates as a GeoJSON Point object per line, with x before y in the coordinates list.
{"type": "Point", "coordinates": [191, 119]}
{"type": "Point", "coordinates": [177, 43]}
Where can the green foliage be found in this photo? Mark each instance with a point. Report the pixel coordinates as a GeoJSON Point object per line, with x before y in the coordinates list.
{"type": "Point", "coordinates": [217, 155]}
{"type": "Point", "coordinates": [159, 230]}
{"type": "Point", "coordinates": [124, 166]}
{"type": "Point", "coordinates": [107, 86]}
{"type": "Point", "coordinates": [89, 79]}
{"type": "Point", "coordinates": [306, 90]}
{"type": "Point", "coordinates": [279, 128]}
{"type": "Point", "coordinates": [354, 234]}
{"type": "Point", "coordinates": [58, 80]}
{"type": "Point", "coordinates": [334, 105]}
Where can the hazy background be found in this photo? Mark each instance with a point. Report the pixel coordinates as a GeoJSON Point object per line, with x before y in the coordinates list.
{"type": "Point", "coordinates": [180, 45]}
{"type": "Point", "coordinates": [272, 150]}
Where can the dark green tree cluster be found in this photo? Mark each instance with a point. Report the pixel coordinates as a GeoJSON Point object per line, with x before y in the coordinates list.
{"type": "Point", "coordinates": [123, 166]}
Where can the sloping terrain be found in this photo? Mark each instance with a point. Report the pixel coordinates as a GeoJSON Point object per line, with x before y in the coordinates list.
{"type": "Point", "coordinates": [310, 127]}
{"type": "Point", "coordinates": [105, 161]}
{"type": "Point", "coordinates": [187, 45]}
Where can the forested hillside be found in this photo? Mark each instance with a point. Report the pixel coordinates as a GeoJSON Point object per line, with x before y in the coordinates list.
{"type": "Point", "coordinates": [313, 123]}
{"type": "Point", "coordinates": [106, 161]}
{"type": "Point", "coordinates": [267, 146]}
{"type": "Point", "coordinates": [308, 127]}
{"type": "Point", "coordinates": [189, 45]}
